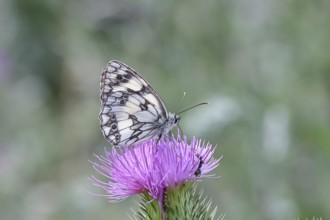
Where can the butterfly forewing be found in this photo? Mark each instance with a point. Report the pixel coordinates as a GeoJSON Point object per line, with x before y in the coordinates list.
{"type": "Point", "coordinates": [131, 110]}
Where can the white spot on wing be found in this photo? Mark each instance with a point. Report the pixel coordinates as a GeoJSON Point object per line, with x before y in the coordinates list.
{"type": "Point", "coordinates": [131, 84]}
{"type": "Point", "coordinates": [106, 130]}
{"type": "Point", "coordinates": [112, 76]}
{"type": "Point", "coordinates": [131, 141]}
{"type": "Point", "coordinates": [124, 109]}
{"type": "Point", "coordinates": [122, 71]}
{"type": "Point", "coordinates": [133, 105]}
{"type": "Point", "coordinates": [117, 94]}
{"type": "Point", "coordinates": [107, 81]}
{"type": "Point", "coordinates": [124, 124]}
{"type": "Point", "coordinates": [119, 89]}
{"type": "Point", "coordinates": [138, 80]}
{"type": "Point", "coordinates": [106, 88]}
{"type": "Point", "coordinates": [145, 116]}
{"type": "Point", "coordinates": [141, 80]}
{"type": "Point", "coordinates": [134, 101]}
{"type": "Point", "coordinates": [105, 118]}
{"type": "Point", "coordinates": [110, 69]}
{"type": "Point", "coordinates": [146, 127]}
{"type": "Point", "coordinates": [115, 64]}
{"type": "Point", "coordinates": [106, 109]}
{"type": "Point", "coordinates": [110, 100]}
{"type": "Point", "coordinates": [151, 98]}
{"type": "Point", "coordinates": [126, 134]}
{"type": "Point", "coordinates": [138, 98]}
{"type": "Point", "coordinates": [152, 109]}
{"type": "Point", "coordinates": [121, 116]}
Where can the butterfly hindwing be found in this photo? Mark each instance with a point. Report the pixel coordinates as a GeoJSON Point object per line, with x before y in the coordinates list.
{"type": "Point", "coordinates": [131, 110]}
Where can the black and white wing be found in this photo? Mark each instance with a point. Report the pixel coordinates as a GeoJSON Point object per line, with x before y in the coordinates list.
{"type": "Point", "coordinates": [131, 110]}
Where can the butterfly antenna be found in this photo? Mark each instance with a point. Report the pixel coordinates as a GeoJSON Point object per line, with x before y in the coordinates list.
{"type": "Point", "coordinates": [203, 103]}
{"type": "Point", "coordinates": [180, 103]}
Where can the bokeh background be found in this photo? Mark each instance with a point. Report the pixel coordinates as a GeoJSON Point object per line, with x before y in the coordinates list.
{"type": "Point", "coordinates": [264, 67]}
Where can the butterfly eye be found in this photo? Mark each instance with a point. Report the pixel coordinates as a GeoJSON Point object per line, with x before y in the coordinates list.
{"type": "Point", "coordinates": [176, 119]}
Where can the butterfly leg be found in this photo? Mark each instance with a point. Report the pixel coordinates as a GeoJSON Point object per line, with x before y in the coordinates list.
{"type": "Point", "coordinates": [157, 141]}
{"type": "Point", "coordinates": [159, 137]}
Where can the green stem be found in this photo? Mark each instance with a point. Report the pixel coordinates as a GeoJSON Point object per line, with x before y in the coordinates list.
{"type": "Point", "coordinates": [164, 205]}
{"type": "Point", "coordinates": [164, 215]}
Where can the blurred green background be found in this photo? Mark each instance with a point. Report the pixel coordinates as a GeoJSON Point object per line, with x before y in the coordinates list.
{"type": "Point", "coordinates": [264, 67]}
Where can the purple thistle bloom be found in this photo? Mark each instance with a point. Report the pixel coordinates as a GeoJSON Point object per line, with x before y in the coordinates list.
{"type": "Point", "coordinates": [151, 166]}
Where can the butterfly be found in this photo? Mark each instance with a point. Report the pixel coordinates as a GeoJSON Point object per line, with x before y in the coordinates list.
{"type": "Point", "coordinates": [131, 110]}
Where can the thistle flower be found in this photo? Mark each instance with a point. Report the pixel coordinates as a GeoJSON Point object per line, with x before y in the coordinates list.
{"type": "Point", "coordinates": [152, 168]}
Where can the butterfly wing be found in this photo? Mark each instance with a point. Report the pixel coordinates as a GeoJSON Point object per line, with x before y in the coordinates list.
{"type": "Point", "coordinates": [131, 109]}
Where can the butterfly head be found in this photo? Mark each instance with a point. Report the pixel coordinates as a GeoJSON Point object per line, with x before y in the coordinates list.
{"type": "Point", "coordinates": [173, 119]}
{"type": "Point", "coordinates": [176, 119]}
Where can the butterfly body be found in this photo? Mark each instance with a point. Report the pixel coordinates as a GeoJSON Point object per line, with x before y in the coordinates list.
{"type": "Point", "coordinates": [131, 110]}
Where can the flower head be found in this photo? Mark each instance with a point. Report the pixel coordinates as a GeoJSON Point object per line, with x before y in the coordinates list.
{"type": "Point", "coordinates": [151, 166]}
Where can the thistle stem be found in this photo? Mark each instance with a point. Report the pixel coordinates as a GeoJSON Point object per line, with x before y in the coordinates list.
{"type": "Point", "coordinates": [164, 205]}
{"type": "Point", "coordinates": [163, 215]}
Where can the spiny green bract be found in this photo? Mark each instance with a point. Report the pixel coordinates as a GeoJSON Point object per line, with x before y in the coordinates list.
{"type": "Point", "coordinates": [180, 203]}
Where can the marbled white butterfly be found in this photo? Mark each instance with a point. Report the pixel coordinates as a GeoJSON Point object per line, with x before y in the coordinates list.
{"type": "Point", "coordinates": [131, 110]}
